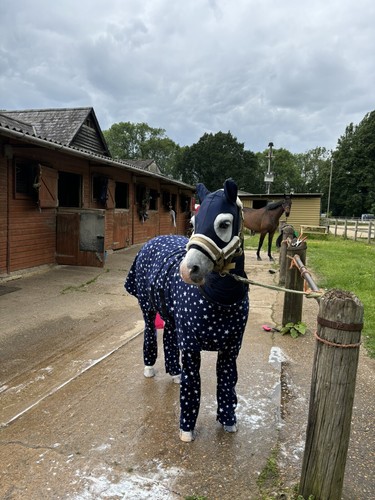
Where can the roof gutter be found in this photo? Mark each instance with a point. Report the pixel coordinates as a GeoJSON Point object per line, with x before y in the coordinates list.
{"type": "Point", "coordinates": [83, 154]}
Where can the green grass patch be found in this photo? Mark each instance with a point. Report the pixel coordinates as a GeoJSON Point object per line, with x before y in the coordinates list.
{"type": "Point", "coordinates": [269, 478]}
{"type": "Point", "coordinates": [347, 265]}
{"type": "Point", "coordinates": [80, 288]}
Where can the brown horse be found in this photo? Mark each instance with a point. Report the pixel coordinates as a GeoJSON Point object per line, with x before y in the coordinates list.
{"type": "Point", "coordinates": [265, 220]}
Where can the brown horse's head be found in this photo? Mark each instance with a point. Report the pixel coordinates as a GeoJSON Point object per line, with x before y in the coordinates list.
{"type": "Point", "coordinates": [287, 205]}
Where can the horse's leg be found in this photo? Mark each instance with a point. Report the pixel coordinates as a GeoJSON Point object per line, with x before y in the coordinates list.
{"type": "Point", "coordinates": [261, 239]}
{"type": "Point", "coordinates": [171, 352]}
{"type": "Point", "coordinates": [226, 372]}
{"type": "Point", "coordinates": [190, 393]}
{"type": "Point", "coordinates": [270, 237]}
{"type": "Point", "coordinates": [150, 343]}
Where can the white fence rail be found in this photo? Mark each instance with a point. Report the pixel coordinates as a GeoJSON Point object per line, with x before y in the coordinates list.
{"type": "Point", "coordinates": [351, 229]}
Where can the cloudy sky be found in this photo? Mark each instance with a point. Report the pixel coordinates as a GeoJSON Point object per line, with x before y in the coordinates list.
{"type": "Point", "coordinates": [292, 72]}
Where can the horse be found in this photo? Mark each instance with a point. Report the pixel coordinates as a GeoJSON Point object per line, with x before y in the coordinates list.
{"type": "Point", "coordinates": [265, 220]}
{"type": "Point", "coordinates": [189, 283]}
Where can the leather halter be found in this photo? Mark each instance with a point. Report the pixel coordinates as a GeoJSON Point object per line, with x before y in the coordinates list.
{"type": "Point", "coordinates": [221, 257]}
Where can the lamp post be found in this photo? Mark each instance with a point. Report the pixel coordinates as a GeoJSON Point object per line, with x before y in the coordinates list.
{"type": "Point", "coordinates": [268, 178]}
{"type": "Point", "coordinates": [329, 187]}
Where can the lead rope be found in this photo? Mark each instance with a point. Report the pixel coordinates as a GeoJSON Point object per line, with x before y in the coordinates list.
{"type": "Point", "coordinates": [309, 294]}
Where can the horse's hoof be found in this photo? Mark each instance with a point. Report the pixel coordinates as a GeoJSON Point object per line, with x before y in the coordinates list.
{"type": "Point", "coordinates": [259, 258]}
{"type": "Point", "coordinates": [230, 428]}
{"type": "Point", "coordinates": [187, 436]}
{"type": "Point", "coordinates": [149, 371]}
{"type": "Point", "coordinates": [177, 378]}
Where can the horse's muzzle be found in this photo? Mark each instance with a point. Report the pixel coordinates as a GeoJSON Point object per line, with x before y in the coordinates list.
{"type": "Point", "coordinates": [195, 266]}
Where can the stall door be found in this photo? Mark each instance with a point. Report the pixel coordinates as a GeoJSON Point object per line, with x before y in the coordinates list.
{"type": "Point", "coordinates": [91, 239]}
{"type": "Point", "coordinates": [80, 238]}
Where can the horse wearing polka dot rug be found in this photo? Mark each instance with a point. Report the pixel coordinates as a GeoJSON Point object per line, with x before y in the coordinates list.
{"type": "Point", "coordinates": [189, 283]}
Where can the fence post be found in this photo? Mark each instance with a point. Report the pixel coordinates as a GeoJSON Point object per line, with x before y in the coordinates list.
{"type": "Point", "coordinates": [292, 311]}
{"type": "Point", "coordinates": [288, 232]}
{"type": "Point", "coordinates": [332, 394]}
{"type": "Point", "coordinates": [369, 233]}
{"type": "Point", "coordinates": [355, 230]}
{"type": "Point", "coordinates": [346, 229]}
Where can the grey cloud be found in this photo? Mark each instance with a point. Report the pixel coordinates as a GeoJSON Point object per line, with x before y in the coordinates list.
{"type": "Point", "coordinates": [290, 73]}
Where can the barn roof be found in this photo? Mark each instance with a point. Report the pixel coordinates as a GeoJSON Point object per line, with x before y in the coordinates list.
{"type": "Point", "coordinates": [68, 126]}
{"type": "Point", "coordinates": [75, 131]}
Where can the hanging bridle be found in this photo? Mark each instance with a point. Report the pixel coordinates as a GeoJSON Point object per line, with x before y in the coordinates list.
{"type": "Point", "coordinates": [221, 257]}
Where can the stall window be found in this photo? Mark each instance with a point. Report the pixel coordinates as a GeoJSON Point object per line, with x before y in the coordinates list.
{"type": "Point", "coordinates": [69, 189]}
{"type": "Point", "coordinates": [174, 201]}
{"type": "Point", "coordinates": [153, 203]}
{"type": "Point", "coordinates": [122, 195]}
{"type": "Point", "coordinates": [26, 178]}
{"type": "Point", "coordinates": [99, 188]}
{"type": "Point", "coordinates": [166, 200]}
{"type": "Point", "coordinates": [140, 194]}
{"type": "Point", "coordinates": [185, 203]}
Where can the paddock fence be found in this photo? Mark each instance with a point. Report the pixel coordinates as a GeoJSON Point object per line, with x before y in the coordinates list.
{"type": "Point", "coordinates": [351, 229]}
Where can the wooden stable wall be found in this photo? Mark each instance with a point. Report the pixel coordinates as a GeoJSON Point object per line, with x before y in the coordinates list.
{"type": "Point", "coordinates": [38, 233]}
{"type": "Point", "coordinates": [3, 213]}
{"type": "Point", "coordinates": [28, 234]}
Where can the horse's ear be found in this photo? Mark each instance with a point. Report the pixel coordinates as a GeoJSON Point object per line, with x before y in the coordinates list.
{"type": "Point", "coordinates": [231, 190]}
{"type": "Point", "coordinates": [201, 191]}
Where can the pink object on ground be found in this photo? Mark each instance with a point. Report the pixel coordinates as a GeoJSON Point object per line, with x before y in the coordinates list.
{"type": "Point", "coordinates": [159, 323]}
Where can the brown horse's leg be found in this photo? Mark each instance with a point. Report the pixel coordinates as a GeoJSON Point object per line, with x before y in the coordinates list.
{"type": "Point", "coordinates": [261, 239]}
{"type": "Point", "coordinates": [270, 237]}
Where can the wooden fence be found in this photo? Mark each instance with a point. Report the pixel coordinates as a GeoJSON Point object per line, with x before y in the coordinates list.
{"type": "Point", "coordinates": [351, 229]}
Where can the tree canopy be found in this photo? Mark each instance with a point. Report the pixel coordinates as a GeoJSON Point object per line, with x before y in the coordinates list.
{"type": "Point", "coordinates": [215, 157]}
{"type": "Point", "coordinates": [353, 170]}
{"type": "Point", "coordinates": [139, 141]}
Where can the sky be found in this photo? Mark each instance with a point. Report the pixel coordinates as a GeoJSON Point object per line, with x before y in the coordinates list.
{"type": "Point", "coordinates": [292, 72]}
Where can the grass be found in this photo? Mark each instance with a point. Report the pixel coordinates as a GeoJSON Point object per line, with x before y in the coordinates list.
{"type": "Point", "coordinates": [347, 265]}
{"type": "Point", "coordinates": [81, 287]}
{"type": "Point", "coordinates": [344, 264]}
{"type": "Point", "coordinates": [269, 478]}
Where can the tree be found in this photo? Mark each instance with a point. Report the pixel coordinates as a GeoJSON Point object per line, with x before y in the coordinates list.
{"type": "Point", "coordinates": [135, 141]}
{"type": "Point", "coordinates": [214, 158]}
{"type": "Point", "coordinates": [313, 167]}
{"type": "Point", "coordinates": [353, 179]}
{"type": "Point", "coordinates": [285, 169]}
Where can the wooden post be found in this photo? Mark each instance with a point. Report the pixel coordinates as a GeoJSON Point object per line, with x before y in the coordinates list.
{"type": "Point", "coordinates": [355, 230]}
{"type": "Point", "coordinates": [288, 232]}
{"type": "Point", "coordinates": [292, 312]}
{"type": "Point", "coordinates": [332, 394]}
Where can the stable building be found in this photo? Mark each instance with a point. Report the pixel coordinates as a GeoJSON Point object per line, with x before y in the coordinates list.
{"type": "Point", "coordinates": [305, 211]}
{"type": "Point", "coordinates": [64, 200]}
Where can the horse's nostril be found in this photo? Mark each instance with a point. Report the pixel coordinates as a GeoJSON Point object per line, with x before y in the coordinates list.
{"type": "Point", "coordinates": [194, 270]}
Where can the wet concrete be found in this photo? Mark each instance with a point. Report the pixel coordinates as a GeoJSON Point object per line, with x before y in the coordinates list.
{"type": "Point", "coordinates": [79, 420]}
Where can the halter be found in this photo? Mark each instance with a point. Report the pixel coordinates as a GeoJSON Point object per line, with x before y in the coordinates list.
{"type": "Point", "coordinates": [221, 257]}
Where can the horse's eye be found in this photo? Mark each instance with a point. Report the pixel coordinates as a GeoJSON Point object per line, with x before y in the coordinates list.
{"type": "Point", "coordinates": [224, 225]}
